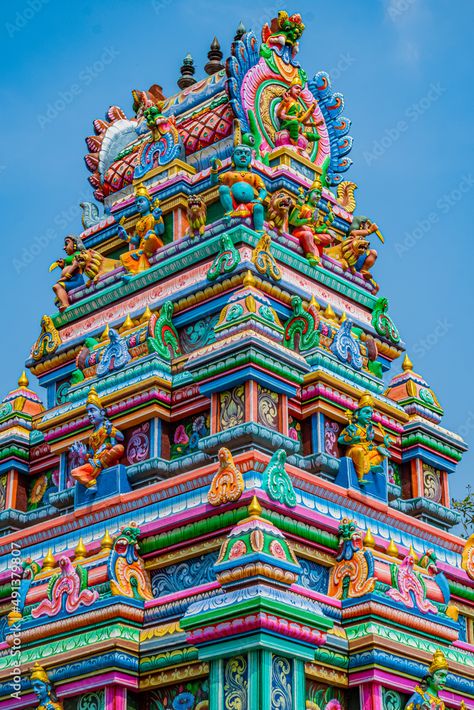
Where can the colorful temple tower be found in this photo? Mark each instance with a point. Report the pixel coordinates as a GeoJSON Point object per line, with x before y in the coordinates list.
{"type": "Point", "coordinates": [225, 500]}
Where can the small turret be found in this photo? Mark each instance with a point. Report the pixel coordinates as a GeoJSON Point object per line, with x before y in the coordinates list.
{"type": "Point", "coordinates": [240, 31]}
{"type": "Point", "coordinates": [187, 72]}
{"type": "Point", "coordinates": [215, 58]}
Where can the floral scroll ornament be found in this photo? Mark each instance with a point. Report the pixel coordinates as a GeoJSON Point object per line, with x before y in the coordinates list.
{"type": "Point", "coordinates": [408, 587]}
{"type": "Point", "coordinates": [228, 484]}
{"type": "Point", "coordinates": [353, 574]}
{"type": "Point", "coordinates": [232, 407]}
{"type": "Point", "coordinates": [226, 260]}
{"type": "Point", "coordinates": [276, 481]}
{"type": "Point", "coordinates": [236, 683]}
{"type": "Point", "coordinates": [282, 683]}
{"type": "Point", "coordinates": [264, 260]}
{"type": "Point", "coordinates": [382, 322]}
{"type": "Point", "coordinates": [138, 447]}
{"type": "Point", "coordinates": [268, 407]}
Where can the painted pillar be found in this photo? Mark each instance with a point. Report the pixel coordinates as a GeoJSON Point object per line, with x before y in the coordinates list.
{"type": "Point", "coordinates": [115, 697]}
{"type": "Point", "coordinates": [371, 696]}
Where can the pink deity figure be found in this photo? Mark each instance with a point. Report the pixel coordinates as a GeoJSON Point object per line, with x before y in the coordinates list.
{"type": "Point", "coordinates": [296, 128]}
{"type": "Point", "coordinates": [104, 446]}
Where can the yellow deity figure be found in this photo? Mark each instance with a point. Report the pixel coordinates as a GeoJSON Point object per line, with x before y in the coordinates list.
{"type": "Point", "coordinates": [148, 231]}
{"type": "Point", "coordinates": [359, 437]}
{"type": "Point", "coordinates": [296, 119]}
{"type": "Point", "coordinates": [104, 449]}
{"type": "Point", "coordinates": [426, 695]}
{"type": "Point", "coordinates": [44, 689]}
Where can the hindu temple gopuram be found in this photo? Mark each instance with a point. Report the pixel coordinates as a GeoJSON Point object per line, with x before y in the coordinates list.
{"type": "Point", "coordinates": [234, 492]}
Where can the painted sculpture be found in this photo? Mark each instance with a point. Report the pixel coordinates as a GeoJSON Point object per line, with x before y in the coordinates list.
{"type": "Point", "coordinates": [126, 569]}
{"type": "Point", "coordinates": [409, 587]}
{"type": "Point", "coordinates": [295, 127]}
{"type": "Point", "coordinates": [104, 448]}
{"type": "Point", "coordinates": [310, 225]}
{"type": "Point", "coordinates": [279, 210]}
{"type": "Point", "coordinates": [146, 239]}
{"type": "Point", "coordinates": [44, 689]}
{"type": "Point", "coordinates": [353, 574]}
{"type": "Point", "coordinates": [426, 695]}
{"type": "Point", "coordinates": [71, 272]}
{"type": "Point", "coordinates": [196, 213]}
{"type": "Point", "coordinates": [67, 591]}
{"type": "Point", "coordinates": [241, 191]}
{"type": "Point", "coordinates": [359, 436]}
{"type": "Point", "coordinates": [227, 484]}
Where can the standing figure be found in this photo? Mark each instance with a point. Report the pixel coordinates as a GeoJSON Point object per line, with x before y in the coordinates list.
{"type": "Point", "coordinates": [359, 437]}
{"type": "Point", "coordinates": [295, 120]}
{"type": "Point", "coordinates": [44, 689]}
{"type": "Point", "coordinates": [148, 231]}
{"type": "Point", "coordinates": [241, 191]}
{"type": "Point", "coordinates": [361, 228]}
{"type": "Point", "coordinates": [71, 274]}
{"type": "Point", "coordinates": [426, 695]}
{"type": "Point", "coordinates": [104, 446]}
{"type": "Point", "coordinates": [309, 225]}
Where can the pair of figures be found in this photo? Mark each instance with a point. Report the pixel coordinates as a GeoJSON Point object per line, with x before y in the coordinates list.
{"type": "Point", "coordinates": [104, 448]}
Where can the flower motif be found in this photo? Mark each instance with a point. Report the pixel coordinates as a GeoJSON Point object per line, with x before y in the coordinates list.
{"type": "Point", "coordinates": [183, 701]}
{"type": "Point", "coordinates": [199, 424]}
{"type": "Point", "coordinates": [180, 436]}
{"type": "Point", "coordinates": [39, 489]}
{"type": "Point", "coordinates": [292, 433]}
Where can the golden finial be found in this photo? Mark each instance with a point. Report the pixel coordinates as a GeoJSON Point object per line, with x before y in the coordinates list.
{"type": "Point", "coordinates": [38, 673]}
{"type": "Point", "coordinates": [452, 611]}
{"type": "Point", "coordinates": [343, 317]}
{"type": "Point", "coordinates": [369, 540]}
{"type": "Point", "coordinates": [127, 324]}
{"type": "Point", "coordinates": [81, 551]}
{"type": "Point", "coordinates": [105, 334]}
{"type": "Point", "coordinates": [314, 304]}
{"type": "Point", "coordinates": [146, 315]}
{"type": "Point", "coordinates": [407, 364]}
{"type": "Point", "coordinates": [106, 543]}
{"type": "Point", "coordinates": [49, 562]}
{"type": "Point", "coordinates": [255, 509]}
{"type": "Point", "coordinates": [249, 279]}
{"type": "Point", "coordinates": [413, 554]}
{"type": "Point", "coordinates": [329, 313]}
{"type": "Point", "coordinates": [23, 380]}
{"type": "Point", "coordinates": [392, 549]}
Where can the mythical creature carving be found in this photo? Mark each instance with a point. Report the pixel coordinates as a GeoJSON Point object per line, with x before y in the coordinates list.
{"type": "Point", "coordinates": [382, 322]}
{"type": "Point", "coordinates": [114, 356]}
{"type": "Point", "coordinates": [264, 261]}
{"type": "Point", "coordinates": [409, 587]}
{"type": "Point", "coordinates": [345, 346]}
{"type": "Point", "coordinates": [163, 336]}
{"type": "Point", "coordinates": [353, 574]}
{"type": "Point", "coordinates": [127, 574]}
{"type": "Point", "coordinates": [196, 214]}
{"type": "Point", "coordinates": [226, 260]}
{"type": "Point", "coordinates": [228, 484]}
{"type": "Point", "coordinates": [67, 591]}
{"type": "Point", "coordinates": [278, 211]}
{"type": "Point", "coordinates": [48, 341]}
{"type": "Point", "coordinates": [301, 330]}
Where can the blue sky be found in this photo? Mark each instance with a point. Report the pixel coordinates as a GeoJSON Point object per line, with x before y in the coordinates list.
{"type": "Point", "coordinates": [405, 69]}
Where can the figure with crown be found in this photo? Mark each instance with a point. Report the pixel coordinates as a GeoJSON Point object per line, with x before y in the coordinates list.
{"type": "Point", "coordinates": [241, 191]}
{"type": "Point", "coordinates": [105, 448]}
{"type": "Point", "coordinates": [44, 689]}
{"type": "Point", "coordinates": [146, 239]}
{"type": "Point", "coordinates": [310, 224]}
{"type": "Point", "coordinates": [359, 437]}
{"type": "Point", "coordinates": [71, 272]}
{"type": "Point", "coordinates": [426, 695]}
{"type": "Point", "coordinates": [296, 127]}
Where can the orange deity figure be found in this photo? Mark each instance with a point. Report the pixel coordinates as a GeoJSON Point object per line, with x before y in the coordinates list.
{"type": "Point", "coordinates": [105, 448]}
{"type": "Point", "coordinates": [148, 232]}
{"type": "Point", "coordinates": [359, 436]}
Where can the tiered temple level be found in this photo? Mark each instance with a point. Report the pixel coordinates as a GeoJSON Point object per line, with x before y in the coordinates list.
{"type": "Point", "coordinates": [220, 503]}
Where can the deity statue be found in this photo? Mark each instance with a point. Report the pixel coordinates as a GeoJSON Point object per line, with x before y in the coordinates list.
{"type": "Point", "coordinates": [296, 128]}
{"type": "Point", "coordinates": [44, 689]}
{"type": "Point", "coordinates": [310, 224]}
{"type": "Point", "coordinates": [241, 192]}
{"type": "Point", "coordinates": [71, 274]}
{"type": "Point", "coordinates": [426, 695]}
{"type": "Point", "coordinates": [148, 231]}
{"type": "Point", "coordinates": [359, 436]}
{"type": "Point", "coordinates": [361, 228]}
{"type": "Point", "coordinates": [280, 43]}
{"type": "Point", "coordinates": [105, 448]}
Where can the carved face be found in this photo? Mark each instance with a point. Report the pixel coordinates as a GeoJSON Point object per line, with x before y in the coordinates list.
{"type": "Point", "coordinates": [195, 203]}
{"type": "Point", "coordinates": [438, 679]}
{"type": "Point", "coordinates": [242, 156]}
{"type": "Point", "coordinates": [364, 415]}
{"type": "Point", "coordinates": [282, 201]}
{"type": "Point", "coordinates": [96, 415]}
{"type": "Point", "coordinates": [69, 246]}
{"type": "Point", "coordinates": [359, 246]}
{"type": "Point", "coordinates": [142, 204]}
{"type": "Point", "coordinates": [41, 690]}
{"type": "Point", "coordinates": [295, 91]}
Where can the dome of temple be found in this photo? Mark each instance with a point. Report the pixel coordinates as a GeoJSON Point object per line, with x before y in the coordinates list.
{"type": "Point", "coordinates": [21, 399]}
{"type": "Point", "coordinates": [414, 394]}
{"type": "Point", "coordinates": [254, 548]}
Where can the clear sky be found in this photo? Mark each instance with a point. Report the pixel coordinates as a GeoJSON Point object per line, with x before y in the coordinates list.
{"type": "Point", "coordinates": [405, 69]}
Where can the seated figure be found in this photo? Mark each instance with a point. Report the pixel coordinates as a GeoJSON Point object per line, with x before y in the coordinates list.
{"type": "Point", "coordinates": [241, 191]}
{"type": "Point", "coordinates": [359, 437]}
{"type": "Point", "coordinates": [71, 274]}
{"type": "Point", "coordinates": [105, 448]}
{"type": "Point", "coordinates": [310, 224]}
{"type": "Point", "coordinates": [296, 128]}
{"type": "Point", "coordinates": [147, 237]}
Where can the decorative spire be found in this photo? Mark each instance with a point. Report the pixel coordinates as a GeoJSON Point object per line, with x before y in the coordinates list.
{"type": "Point", "coordinates": [215, 58]}
{"type": "Point", "coordinates": [392, 549]}
{"type": "Point", "coordinates": [407, 364]}
{"type": "Point", "coordinates": [369, 539]}
{"type": "Point", "coordinates": [81, 551]}
{"type": "Point", "coordinates": [240, 31]}
{"type": "Point", "coordinates": [49, 562]}
{"type": "Point", "coordinates": [106, 543]}
{"type": "Point", "coordinates": [23, 381]}
{"type": "Point", "coordinates": [187, 72]}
